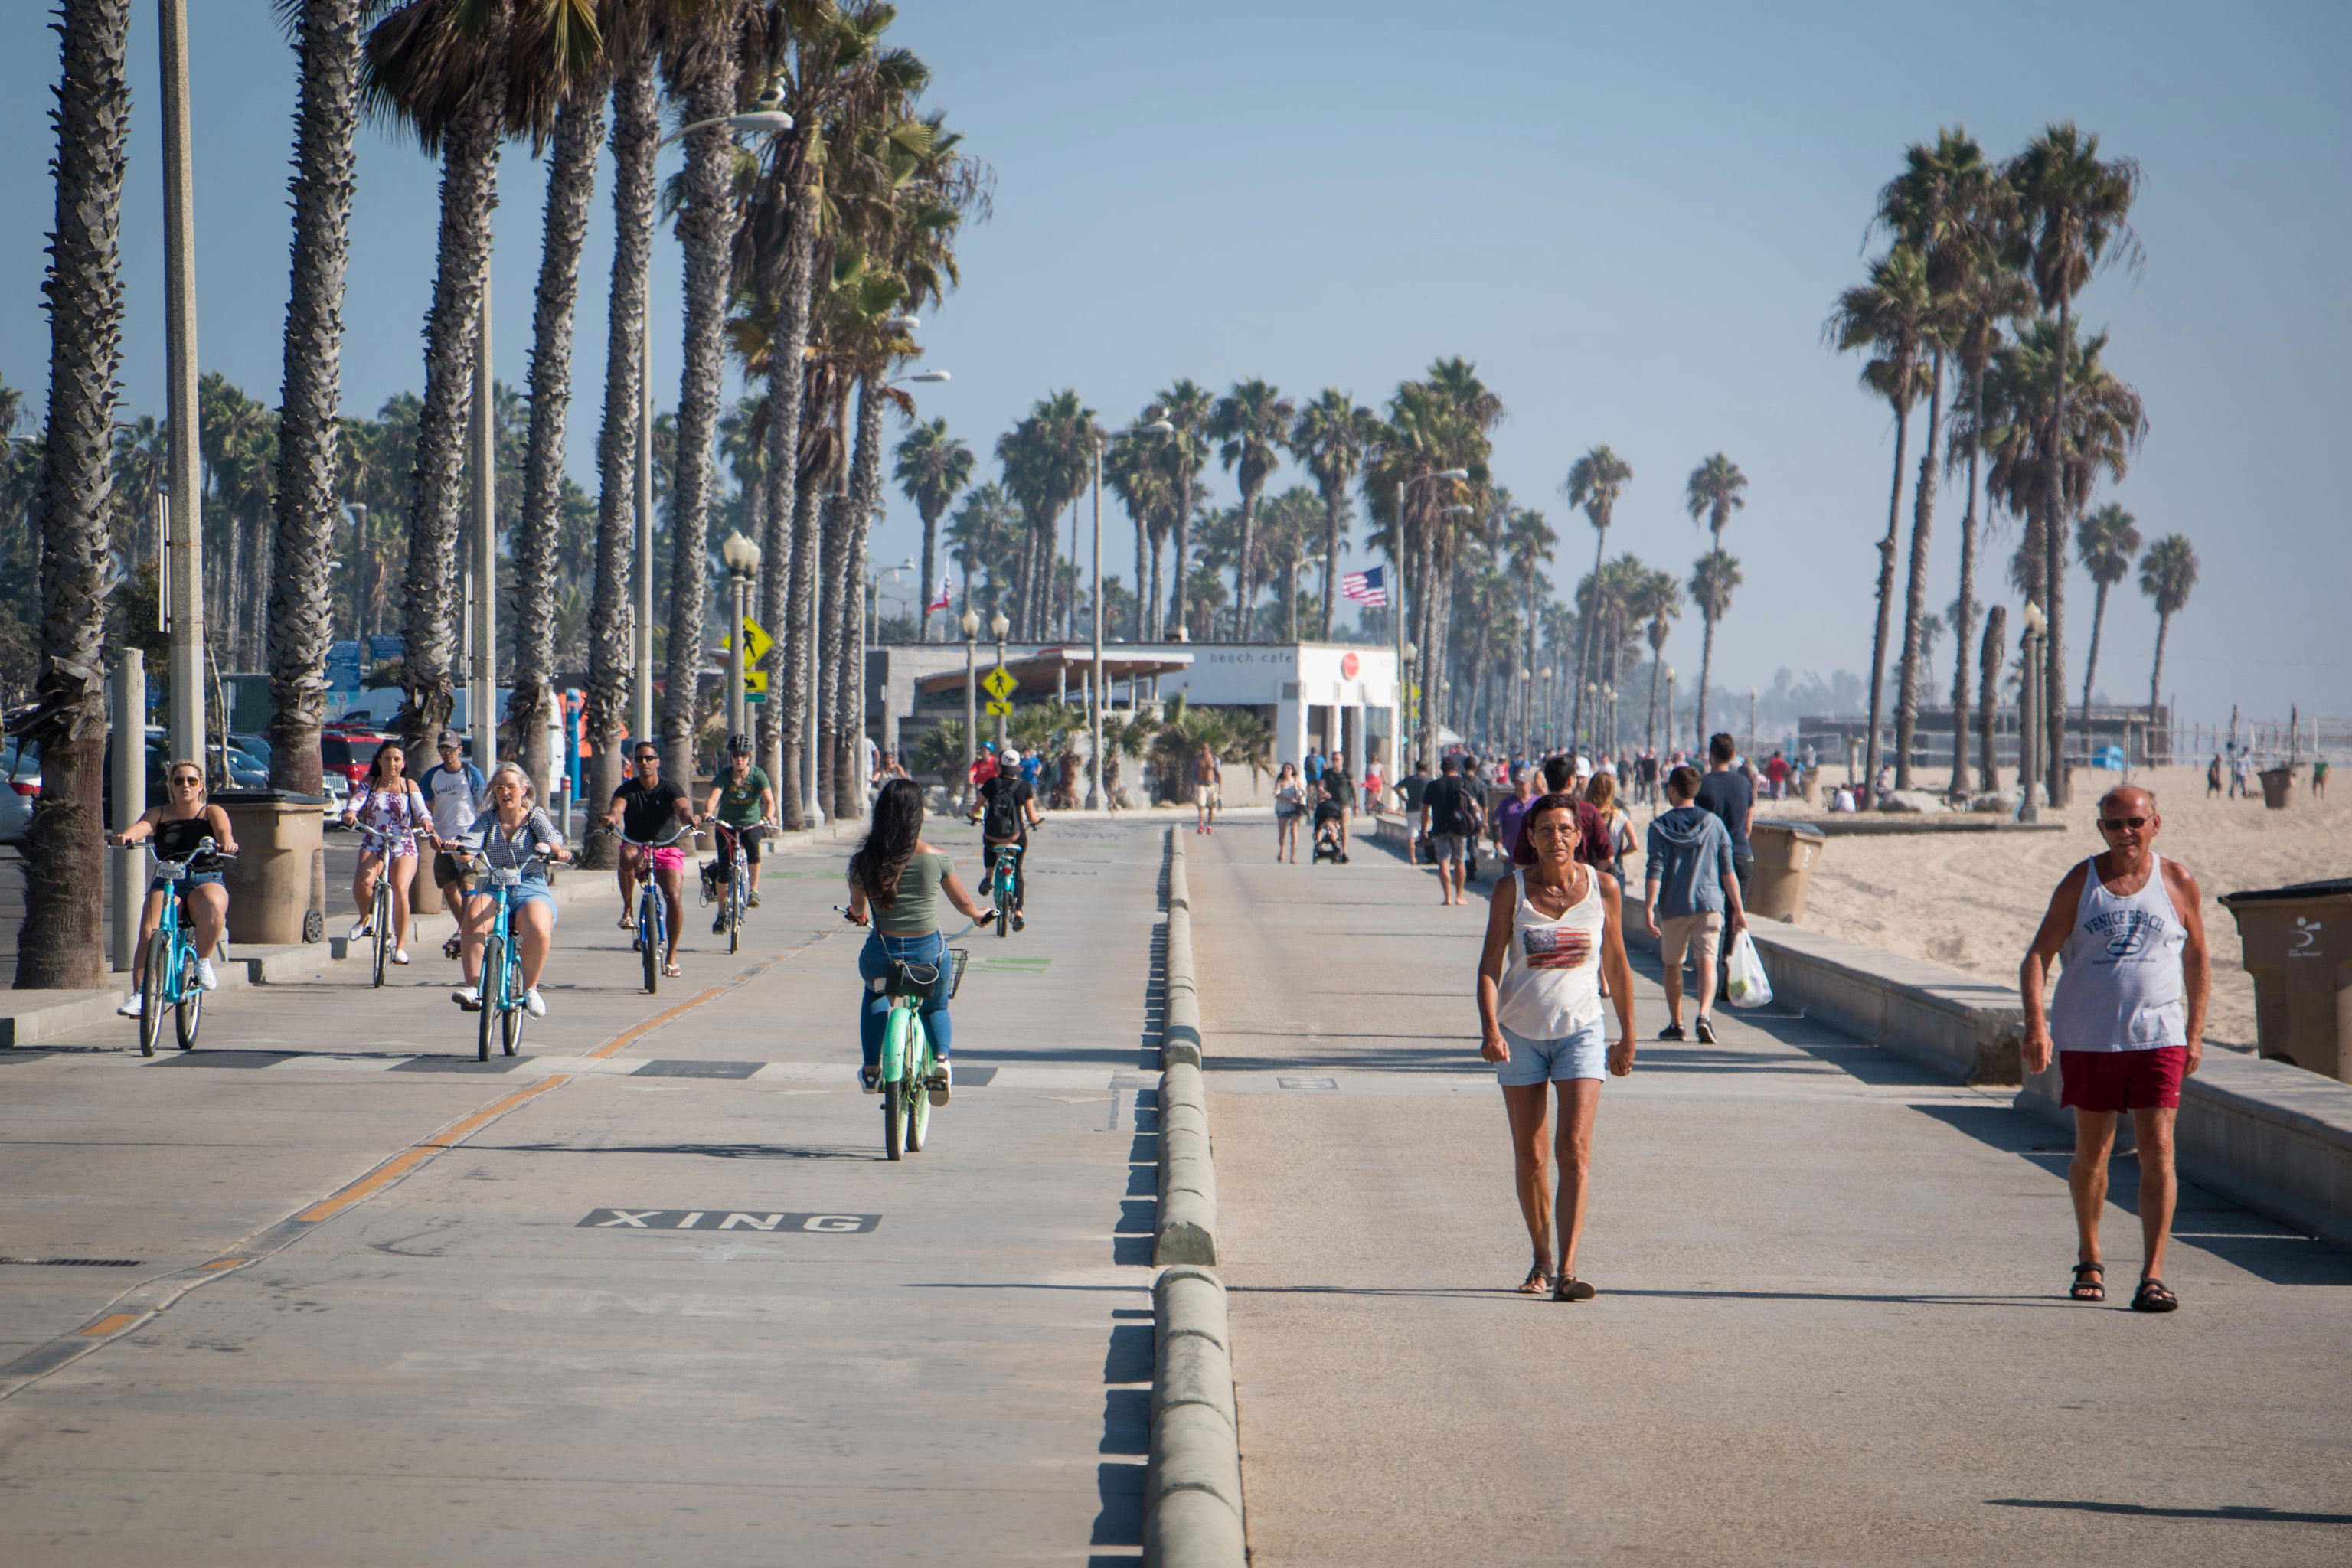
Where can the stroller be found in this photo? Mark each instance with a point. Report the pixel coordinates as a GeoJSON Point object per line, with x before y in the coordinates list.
{"type": "Point", "coordinates": [1327, 839]}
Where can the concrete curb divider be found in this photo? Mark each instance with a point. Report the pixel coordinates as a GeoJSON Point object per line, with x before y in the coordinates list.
{"type": "Point", "coordinates": [1193, 1491]}
{"type": "Point", "coordinates": [1186, 1231]}
{"type": "Point", "coordinates": [1180, 1032]}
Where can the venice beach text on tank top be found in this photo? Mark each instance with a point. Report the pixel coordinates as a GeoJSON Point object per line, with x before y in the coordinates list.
{"type": "Point", "coordinates": [2120, 987]}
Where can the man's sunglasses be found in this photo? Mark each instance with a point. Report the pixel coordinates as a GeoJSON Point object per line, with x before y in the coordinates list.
{"type": "Point", "coordinates": [649, 757]}
{"type": "Point", "coordinates": [2117, 824]}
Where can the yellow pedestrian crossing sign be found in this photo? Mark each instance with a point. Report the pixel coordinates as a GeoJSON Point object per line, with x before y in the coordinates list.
{"type": "Point", "coordinates": [999, 683]}
{"type": "Point", "coordinates": [1000, 706]}
{"type": "Point", "coordinates": [756, 642]}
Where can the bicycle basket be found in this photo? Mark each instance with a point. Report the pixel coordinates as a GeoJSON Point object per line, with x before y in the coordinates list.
{"type": "Point", "coordinates": [962, 956]}
{"type": "Point", "coordinates": [907, 979]}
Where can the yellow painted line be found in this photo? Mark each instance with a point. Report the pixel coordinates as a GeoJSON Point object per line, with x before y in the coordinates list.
{"type": "Point", "coordinates": [628, 1037]}
{"type": "Point", "coordinates": [226, 1262]}
{"type": "Point", "coordinates": [113, 1323]}
{"type": "Point", "coordinates": [408, 1159]}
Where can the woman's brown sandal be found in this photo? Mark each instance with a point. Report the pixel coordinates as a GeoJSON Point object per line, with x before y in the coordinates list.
{"type": "Point", "coordinates": [1538, 1281]}
{"type": "Point", "coordinates": [2088, 1290]}
{"type": "Point", "coordinates": [2152, 1297]}
{"type": "Point", "coordinates": [1569, 1288]}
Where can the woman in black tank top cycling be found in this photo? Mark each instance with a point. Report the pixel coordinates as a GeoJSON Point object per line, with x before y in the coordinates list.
{"type": "Point", "coordinates": [184, 820]}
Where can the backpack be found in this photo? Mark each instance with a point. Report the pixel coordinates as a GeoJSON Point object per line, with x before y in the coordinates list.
{"type": "Point", "coordinates": [1002, 817]}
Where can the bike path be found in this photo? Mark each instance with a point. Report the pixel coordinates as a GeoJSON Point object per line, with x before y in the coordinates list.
{"type": "Point", "coordinates": [1831, 1328]}
{"type": "Point", "coordinates": [644, 1314]}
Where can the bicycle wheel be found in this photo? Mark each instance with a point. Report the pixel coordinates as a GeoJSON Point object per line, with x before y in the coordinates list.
{"type": "Point", "coordinates": [153, 989]}
{"type": "Point", "coordinates": [511, 1027]}
{"type": "Point", "coordinates": [649, 941]}
{"type": "Point", "coordinates": [918, 1068]}
{"type": "Point", "coordinates": [382, 908]}
{"type": "Point", "coordinates": [494, 996]}
{"type": "Point", "coordinates": [1003, 922]}
{"type": "Point", "coordinates": [188, 1013]}
{"type": "Point", "coordinates": [893, 1119]}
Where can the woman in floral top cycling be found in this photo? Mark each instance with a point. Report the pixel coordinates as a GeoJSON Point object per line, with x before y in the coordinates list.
{"type": "Point", "coordinates": [390, 809]}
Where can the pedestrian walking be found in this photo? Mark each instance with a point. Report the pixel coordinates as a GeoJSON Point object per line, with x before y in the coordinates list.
{"type": "Point", "coordinates": [1448, 821]}
{"type": "Point", "coordinates": [1691, 898]}
{"type": "Point", "coordinates": [1555, 930]}
{"type": "Point", "coordinates": [1511, 815]}
{"type": "Point", "coordinates": [2214, 776]}
{"type": "Point", "coordinates": [1730, 794]}
{"type": "Point", "coordinates": [1208, 775]}
{"type": "Point", "coordinates": [2126, 1025]}
{"type": "Point", "coordinates": [1289, 806]}
{"type": "Point", "coordinates": [2320, 778]}
{"type": "Point", "coordinates": [2242, 774]}
{"type": "Point", "coordinates": [1616, 823]}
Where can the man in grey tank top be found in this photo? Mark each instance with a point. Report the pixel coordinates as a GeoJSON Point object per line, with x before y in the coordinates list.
{"type": "Point", "coordinates": [2127, 1023]}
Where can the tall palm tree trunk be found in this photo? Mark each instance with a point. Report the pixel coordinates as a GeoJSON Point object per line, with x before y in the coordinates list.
{"type": "Point", "coordinates": [833, 567]}
{"type": "Point", "coordinates": [1649, 743]}
{"type": "Point", "coordinates": [1914, 603]}
{"type": "Point", "coordinates": [2054, 556]}
{"type": "Point", "coordinates": [1334, 497]}
{"type": "Point", "coordinates": [1147, 574]}
{"type": "Point", "coordinates": [469, 173]}
{"type": "Point", "coordinates": [637, 128]}
{"type": "Point", "coordinates": [705, 230]}
{"type": "Point", "coordinates": [783, 718]}
{"type": "Point", "coordinates": [571, 186]}
{"type": "Point", "coordinates": [800, 725]}
{"type": "Point", "coordinates": [1182, 565]}
{"type": "Point", "coordinates": [864, 489]}
{"type": "Point", "coordinates": [1245, 568]}
{"type": "Point", "coordinates": [325, 120]}
{"type": "Point", "coordinates": [1706, 672]}
{"type": "Point", "coordinates": [1965, 621]}
{"type": "Point", "coordinates": [1159, 602]}
{"type": "Point", "coordinates": [2156, 670]}
{"type": "Point", "coordinates": [1885, 612]}
{"type": "Point", "coordinates": [1584, 644]}
{"type": "Point", "coordinates": [59, 946]}
{"type": "Point", "coordinates": [2090, 661]}
{"type": "Point", "coordinates": [1988, 695]}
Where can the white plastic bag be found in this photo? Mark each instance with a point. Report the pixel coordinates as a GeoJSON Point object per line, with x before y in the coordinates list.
{"type": "Point", "coordinates": [1744, 984]}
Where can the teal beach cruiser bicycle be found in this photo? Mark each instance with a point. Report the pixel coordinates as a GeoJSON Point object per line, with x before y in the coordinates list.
{"type": "Point", "coordinates": [1004, 861]}
{"type": "Point", "coordinates": [909, 1064]}
{"type": "Point", "coordinates": [170, 975]}
{"type": "Point", "coordinates": [502, 996]}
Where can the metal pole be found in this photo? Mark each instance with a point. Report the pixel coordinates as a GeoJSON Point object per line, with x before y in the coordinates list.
{"type": "Point", "coordinates": [641, 722]}
{"type": "Point", "coordinates": [484, 719]}
{"type": "Point", "coordinates": [736, 718]}
{"type": "Point", "coordinates": [814, 813]}
{"type": "Point", "coordinates": [129, 703]}
{"type": "Point", "coordinates": [359, 582]}
{"type": "Point", "coordinates": [186, 566]}
{"type": "Point", "coordinates": [970, 718]}
{"type": "Point", "coordinates": [1000, 718]}
{"type": "Point", "coordinates": [1096, 798]}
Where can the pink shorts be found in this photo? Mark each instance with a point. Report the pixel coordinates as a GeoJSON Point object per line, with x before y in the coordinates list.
{"type": "Point", "coordinates": [669, 857]}
{"type": "Point", "coordinates": [2122, 1081]}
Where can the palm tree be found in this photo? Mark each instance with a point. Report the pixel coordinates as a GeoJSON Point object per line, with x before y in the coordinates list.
{"type": "Point", "coordinates": [636, 132]}
{"type": "Point", "coordinates": [1660, 601]}
{"type": "Point", "coordinates": [1330, 439]}
{"type": "Point", "coordinates": [2167, 572]}
{"type": "Point", "coordinates": [64, 874]}
{"type": "Point", "coordinates": [1713, 577]}
{"type": "Point", "coordinates": [1253, 421]}
{"type": "Point", "coordinates": [1137, 474]}
{"type": "Point", "coordinates": [980, 537]}
{"type": "Point", "coordinates": [1890, 316]}
{"type": "Point", "coordinates": [931, 468]}
{"type": "Point", "coordinates": [2074, 212]}
{"type": "Point", "coordinates": [1595, 480]}
{"type": "Point", "coordinates": [308, 522]}
{"type": "Point", "coordinates": [1187, 405]}
{"type": "Point", "coordinates": [1714, 489]}
{"type": "Point", "coordinates": [1528, 544]}
{"type": "Point", "coordinates": [2105, 543]}
{"type": "Point", "coordinates": [438, 66]}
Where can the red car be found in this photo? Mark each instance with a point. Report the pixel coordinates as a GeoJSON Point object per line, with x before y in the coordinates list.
{"type": "Point", "coordinates": [349, 751]}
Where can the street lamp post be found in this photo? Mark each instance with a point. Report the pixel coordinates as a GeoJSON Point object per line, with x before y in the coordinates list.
{"type": "Point", "coordinates": [357, 509]}
{"type": "Point", "coordinates": [1408, 701]}
{"type": "Point", "coordinates": [2029, 714]}
{"type": "Point", "coordinates": [484, 716]}
{"type": "Point", "coordinates": [1000, 624]}
{"type": "Point", "coordinates": [971, 703]}
{"type": "Point", "coordinates": [1096, 799]}
{"type": "Point", "coordinates": [1396, 604]}
{"type": "Point", "coordinates": [1669, 721]}
{"type": "Point", "coordinates": [742, 558]}
{"type": "Point", "coordinates": [184, 569]}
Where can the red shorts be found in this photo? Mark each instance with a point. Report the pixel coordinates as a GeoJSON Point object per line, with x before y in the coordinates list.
{"type": "Point", "coordinates": [2122, 1081]}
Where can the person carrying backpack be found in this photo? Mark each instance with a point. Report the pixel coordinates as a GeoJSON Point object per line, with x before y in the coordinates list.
{"type": "Point", "coordinates": [1007, 809]}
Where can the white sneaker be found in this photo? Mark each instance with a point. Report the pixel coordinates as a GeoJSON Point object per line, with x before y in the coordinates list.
{"type": "Point", "coordinates": [134, 1007]}
{"type": "Point", "coordinates": [359, 930]}
{"type": "Point", "coordinates": [532, 1004]}
{"type": "Point", "coordinates": [400, 955]}
{"type": "Point", "coordinates": [940, 1083]}
{"type": "Point", "coordinates": [466, 997]}
{"type": "Point", "coordinates": [205, 975]}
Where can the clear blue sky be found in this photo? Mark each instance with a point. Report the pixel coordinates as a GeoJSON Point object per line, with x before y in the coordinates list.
{"type": "Point", "coordinates": [1632, 219]}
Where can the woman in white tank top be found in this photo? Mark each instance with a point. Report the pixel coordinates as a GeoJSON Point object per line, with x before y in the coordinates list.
{"type": "Point", "coordinates": [1553, 929]}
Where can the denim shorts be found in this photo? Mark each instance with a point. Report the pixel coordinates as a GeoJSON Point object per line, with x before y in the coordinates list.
{"type": "Point", "coordinates": [1582, 1053]}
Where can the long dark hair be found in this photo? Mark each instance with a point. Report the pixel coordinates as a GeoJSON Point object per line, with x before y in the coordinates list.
{"type": "Point", "coordinates": [897, 826]}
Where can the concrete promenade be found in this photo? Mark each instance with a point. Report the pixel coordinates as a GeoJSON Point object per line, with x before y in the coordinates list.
{"type": "Point", "coordinates": [1832, 1326]}
{"type": "Point", "coordinates": [673, 1305]}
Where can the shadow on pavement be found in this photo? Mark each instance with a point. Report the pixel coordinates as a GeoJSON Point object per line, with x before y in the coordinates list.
{"type": "Point", "coordinates": [2241, 1512]}
{"type": "Point", "coordinates": [1900, 1297]}
{"type": "Point", "coordinates": [710, 1150]}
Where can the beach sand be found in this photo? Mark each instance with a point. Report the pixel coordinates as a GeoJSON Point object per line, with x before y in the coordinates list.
{"type": "Point", "coordinates": [1973, 902]}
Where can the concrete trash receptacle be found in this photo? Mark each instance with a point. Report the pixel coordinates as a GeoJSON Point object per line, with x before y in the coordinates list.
{"type": "Point", "coordinates": [270, 885]}
{"type": "Point", "coordinates": [2298, 947]}
{"type": "Point", "coordinates": [1786, 853]}
{"type": "Point", "coordinates": [2278, 785]}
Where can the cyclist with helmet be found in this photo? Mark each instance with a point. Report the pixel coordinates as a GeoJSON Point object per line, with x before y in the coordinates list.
{"type": "Point", "coordinates": [177, 826]}
{"type": "Point", "coordinates": [1006, 810]}
{"type": "Point", "coordinates": [741, 799]}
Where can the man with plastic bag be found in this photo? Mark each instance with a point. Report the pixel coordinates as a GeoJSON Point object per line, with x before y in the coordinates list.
{"type": "Point", "coordinates": [1692, 894]}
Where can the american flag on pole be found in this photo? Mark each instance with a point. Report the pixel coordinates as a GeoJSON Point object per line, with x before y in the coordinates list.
{"type": "Point", "coordinates": [1369, 587]}
{"type": "Point", "coordinates": [940, 603]}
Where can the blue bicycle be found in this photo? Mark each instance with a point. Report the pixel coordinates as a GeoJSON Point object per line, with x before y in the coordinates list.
{"type": "Point", "coordinates": [502, 1005]}
{"type": "Point", "coordinates": [649, 923]}
{"type": "Point", "coordinates": [170, 974]}
{"type": "Point", "coordinates": [1003, 861]}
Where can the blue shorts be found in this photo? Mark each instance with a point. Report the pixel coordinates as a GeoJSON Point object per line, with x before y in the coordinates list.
{"type": "Point", "coordinates": [1583, 1053]}
{"type": "Point", "coordinates": [188, 884]}
{"type": "Point", "coordinates": [527, 893]}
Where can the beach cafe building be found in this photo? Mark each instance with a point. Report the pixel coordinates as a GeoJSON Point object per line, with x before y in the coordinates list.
{"type": "Point", "coordinates": [1335, 698]}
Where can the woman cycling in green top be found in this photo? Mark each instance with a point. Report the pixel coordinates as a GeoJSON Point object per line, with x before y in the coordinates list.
{"type": "Point", "coordinates": [742, 801]}
{"type": "Point", "coordinates": [896, 880]}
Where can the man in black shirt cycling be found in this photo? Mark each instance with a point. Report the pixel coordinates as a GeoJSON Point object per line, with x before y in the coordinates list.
{"type": "Point", "coordinates": [1006, 808]}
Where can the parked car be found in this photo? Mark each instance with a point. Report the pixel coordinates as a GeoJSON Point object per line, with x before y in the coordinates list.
{"type": "Point", "coordinates": [349, 751]}
{"type": "Point", "coordinates": [257, 744]}
{"type": "Point", "coordinates": [20, 768]}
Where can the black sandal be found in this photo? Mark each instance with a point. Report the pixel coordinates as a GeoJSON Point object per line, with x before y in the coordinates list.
{"type": "Point", "coordinates": [1569, 1288]}
{"type": "Point", "coordinates": [2089, 1289]}
{"type": "Point", "coordinates": [2153, 1297]}
{"type": "Point", "coordinates": [1538, 1281]}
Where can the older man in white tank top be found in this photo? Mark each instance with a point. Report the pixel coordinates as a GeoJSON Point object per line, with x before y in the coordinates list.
{"type": "Point", "coordinates": [2127, 1023]}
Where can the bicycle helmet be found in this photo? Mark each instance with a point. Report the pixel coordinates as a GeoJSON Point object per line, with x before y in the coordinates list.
{"type": "Point", "coordinates": [739, 745]}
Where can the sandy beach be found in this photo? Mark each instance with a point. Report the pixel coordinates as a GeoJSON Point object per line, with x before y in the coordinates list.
{"type": "Point", "coordinates": [1973, 902]}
